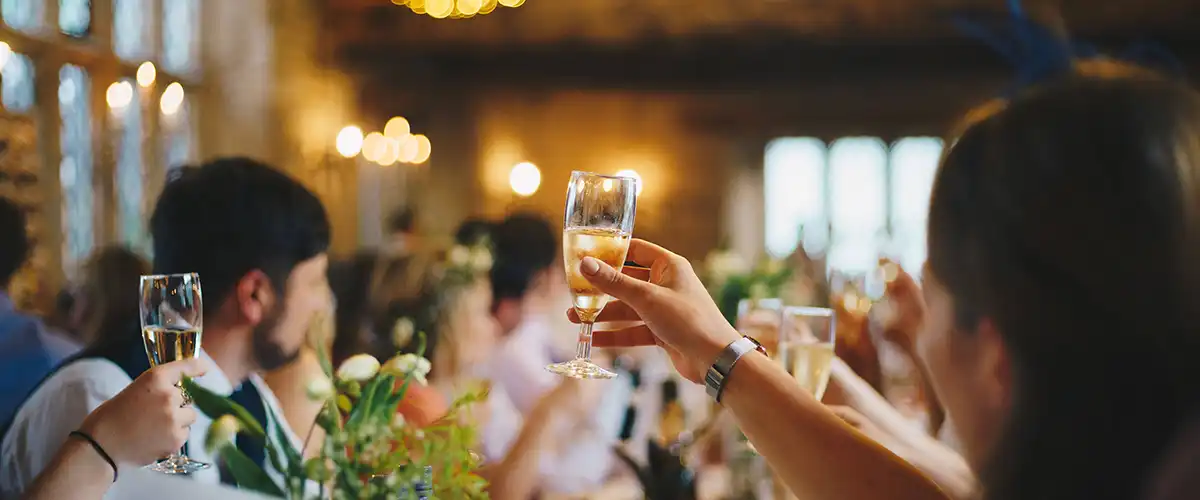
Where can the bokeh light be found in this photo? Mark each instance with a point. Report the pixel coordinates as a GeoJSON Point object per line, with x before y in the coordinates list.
{"type": "Point", "coordinates": [146, 74]}
{"type": "Point", "coordinates": [637, 179]}
{"type": "Point", "coordinates": [350, 141]}
{"type": "Point", "coordinates": [119, 95]}
{"type": "Point", "coordinates": [525, 179]}
{"type": "Point", "coordinates": [424, 149]}
{"type": "Point", "coordinates": [397, 128]}
{"type": "Point", "coordinates": [374, 146]}
{"type": "Point", "coordinates": [172, 99]}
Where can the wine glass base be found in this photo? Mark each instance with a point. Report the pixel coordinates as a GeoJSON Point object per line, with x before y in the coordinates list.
{"type": "Point", "coordinates": [581, 368]}
{"type": "Point", "coordinates": [177, 465]}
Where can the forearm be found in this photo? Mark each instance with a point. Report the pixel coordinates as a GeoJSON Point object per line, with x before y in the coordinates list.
{"type": "Point", "coordinates": [515, 477]}
{"type": "Point", "coordinates": [816, 454]}
{"type": "Point", "coordinates": [77, 471]}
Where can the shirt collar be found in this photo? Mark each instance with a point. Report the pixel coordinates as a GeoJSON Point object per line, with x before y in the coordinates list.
{"type": "Point", "coordinates": [214, 379]}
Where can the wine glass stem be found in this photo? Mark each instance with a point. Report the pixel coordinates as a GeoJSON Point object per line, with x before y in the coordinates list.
{"type": "Point", "coordinates": [584, 349]}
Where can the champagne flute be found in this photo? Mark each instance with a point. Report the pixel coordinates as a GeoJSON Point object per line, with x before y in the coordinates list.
{"type": "Point", "coordinates": [598, 224]}
{"type": "Point", "coordinates": [172, 322]}
{"type": "Point", "coordinates": [809, 346]}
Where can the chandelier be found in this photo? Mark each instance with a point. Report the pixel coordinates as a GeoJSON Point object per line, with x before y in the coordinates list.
{"type": "Point", "coordinates": [456, 9]}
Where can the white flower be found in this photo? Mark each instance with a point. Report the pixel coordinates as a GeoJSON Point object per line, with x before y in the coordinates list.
{"type": "Point", "coordinates": [481, 260]}
{"type": "Point", "coordinates": [319, 388]}
{"type": "Point", "coordinates": [359, 368]}
{"type": "Point", "coordinates": [398, 421]}
{"type": "Point", "coordinates": [408, 365]}
{"type": "Point", "coordinates": [459, 256]}
{"type": "Point", "coordinates": [222, 432]}
{"type": "Point", "coordinates": [402, 332]}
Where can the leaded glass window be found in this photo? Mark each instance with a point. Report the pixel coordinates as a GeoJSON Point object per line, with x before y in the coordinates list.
{"type": "Point", "coordinates": [75, 172]}
{"type": "Point", "coordinates": [25, 15]}
{"type": "Point", "coordinates": [131, 29]}
{"type": "Point", "coordinates": [130, 174]}
{"type": "Point", "coordinates": [179, 24]}
{"type": "Point", "coordinates": [17, 89]}
{"type": "Point", "coordinates": [75, 17]}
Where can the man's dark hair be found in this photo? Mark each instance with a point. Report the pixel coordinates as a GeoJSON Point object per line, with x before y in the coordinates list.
{"type": "Point", "coordinates": [14, 241]}
{"type": "Point", "coordinates": [403, 220]}
{"type": "Point", "coordinates": [230, 216]}
{"type": "Point", "coordinates": [524, 245]}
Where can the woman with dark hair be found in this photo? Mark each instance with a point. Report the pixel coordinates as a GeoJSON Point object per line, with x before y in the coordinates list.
{"type": "Point", "coordinates": [1062, 293]}
{"type": "Point", "coordinates": [106, 305]}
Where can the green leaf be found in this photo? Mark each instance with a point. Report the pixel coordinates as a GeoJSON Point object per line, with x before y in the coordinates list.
{"type": "Point", "coordinates": [247, 474]}
{"type": "Point", "coordinates": [363, 408]}
{"type": "Point", "coordinates": [382, 408]}
{"type": "Point", "coordinates": [216, 406]}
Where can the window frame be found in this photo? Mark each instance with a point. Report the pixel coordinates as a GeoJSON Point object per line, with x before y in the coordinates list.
{"type": "Point", "coordinates": [49, 49]}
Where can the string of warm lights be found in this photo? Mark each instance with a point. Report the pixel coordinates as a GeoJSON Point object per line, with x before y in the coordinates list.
{"type": "Point", "coordinates": [457, 9]}
{"type": "Point", "coordinates": [396, 144]}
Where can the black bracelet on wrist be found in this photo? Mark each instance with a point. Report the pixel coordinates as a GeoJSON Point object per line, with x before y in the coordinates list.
{"type": "Point", "coordinates": [99, 450]}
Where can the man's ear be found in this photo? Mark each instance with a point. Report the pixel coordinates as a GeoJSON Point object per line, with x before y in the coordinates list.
{"type": "Point", "coordinates": [994, 366]}
{"type": "Point", "coordinates": [254, 296]}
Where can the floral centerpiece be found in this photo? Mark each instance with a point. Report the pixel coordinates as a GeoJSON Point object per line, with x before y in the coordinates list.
{"type": "Point", "coordinates": [730, 279]}
{"type": "Point", "coordinates": [368, 450]}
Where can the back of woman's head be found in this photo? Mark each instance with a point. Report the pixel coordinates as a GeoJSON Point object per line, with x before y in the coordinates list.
{"type": "Point", "coordinates": [109, 303]}
{"type": "Point", "coordinates": [1067, 221]}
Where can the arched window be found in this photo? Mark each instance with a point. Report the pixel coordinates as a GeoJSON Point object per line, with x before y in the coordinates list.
{"type": "Point", "coordinates": [795, 195]}
{"type": "Point", "coordinates": [855, 202]}
{"type": "Point", "coordinates": [858, 202]}
{"type": "Point", "coordinates": [914, 164]}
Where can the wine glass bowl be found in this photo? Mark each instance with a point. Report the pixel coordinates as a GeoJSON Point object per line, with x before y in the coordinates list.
{"type": "Point", "coordinates": [598, 223]}
{"type": "Point", "coordinates": [809, 334]}
{"type": "Point", "coordinates": [172, 317]}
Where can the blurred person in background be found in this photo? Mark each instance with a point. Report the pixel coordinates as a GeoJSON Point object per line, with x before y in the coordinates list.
{"type": "Point", "coordinates": [106, 306]}
{"type": "Point", "coordinates": [529, 290]}
{"type": "Point", "coordinates": [402, 233]}
{"type": "Point", "coordinates": [28, 349]}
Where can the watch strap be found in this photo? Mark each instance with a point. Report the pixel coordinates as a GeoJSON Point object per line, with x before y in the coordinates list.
{"type": "Point", "coordinates": [718, 373]}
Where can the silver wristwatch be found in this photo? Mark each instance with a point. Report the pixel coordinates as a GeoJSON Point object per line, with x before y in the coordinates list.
{"type": "Point", "coordinates": [718, 373]}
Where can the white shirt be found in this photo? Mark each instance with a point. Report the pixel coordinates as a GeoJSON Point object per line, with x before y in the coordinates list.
{"type": "Point", "coordinates": [62, 402]}
{"type": "Point", "coordinates": [583, 456]}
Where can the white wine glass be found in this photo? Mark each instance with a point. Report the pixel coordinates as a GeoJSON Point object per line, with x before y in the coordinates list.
{"type": "Point", "coordinates": [172, 315]}
{"type": "Point", "coordinates": [598, 223]}
{"type": "Point", "coordinates": [809, 341]}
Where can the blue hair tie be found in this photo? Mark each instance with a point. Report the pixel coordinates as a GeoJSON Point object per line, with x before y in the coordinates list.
{"type": "Point", "coordinates": [1040, 53]}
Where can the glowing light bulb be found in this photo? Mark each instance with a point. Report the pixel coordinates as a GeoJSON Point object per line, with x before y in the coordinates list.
{"type": "Point", "coordinates": [146, 74]}
{"type": "Point", "coordinates": [350, 141]}
{"type": "Point", "coordinates": [119, 95]}
{"type": "Point", "coordinates": [469, 7]}
{"type": "Point", "coordinates": [525, 179]}
{"type": "Point", "coordinates": [390, 152]}
{"type": "Point", "coordinates": [172, 99]}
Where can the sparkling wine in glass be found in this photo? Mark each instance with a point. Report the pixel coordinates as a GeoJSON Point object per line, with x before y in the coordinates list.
{"type": "Point", "coordinates": [598, 224]}
{"type": "Point", "coordinates": [808, 352]}
{"type": "Point", "coordinates": [172, 323]}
